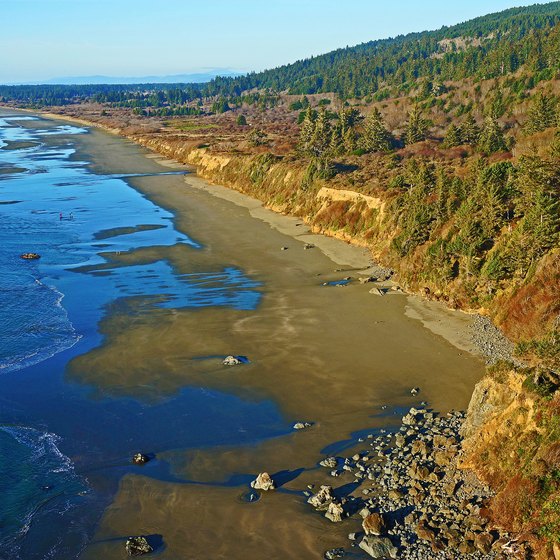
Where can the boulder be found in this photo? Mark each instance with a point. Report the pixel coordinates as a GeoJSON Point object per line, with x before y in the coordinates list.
{"type": "Point", "coordinates": [334, 553]}
{"type": "Point", "coordinates": [263, 482]}
{"type": "Point", "coordinates": [374, 524]}
{"type": "Point", "coordinates": [322, 499]}
{"type": "Point", "coordinates": [302, 426]}
{"type": "Point", "coordinates": [329, 462]}
{"type": "Point", "coordinates": [231, 361]}
{"type": "Point", "coordinates": [140, 459]}
{"type": "Point", "coordinates": [137, 546]}
{"type": "Point", "coordinates": [378, 547]}
{"type": "Point", "coordinates": [483, 542]}
{"type": "Point", "coordinates": [30, 256]}
{"type": "Point", "coordinates": [334, 512]}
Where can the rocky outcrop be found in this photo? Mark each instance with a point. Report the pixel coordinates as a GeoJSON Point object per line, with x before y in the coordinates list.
{"type": "Point", "coordinates": [263, 482]}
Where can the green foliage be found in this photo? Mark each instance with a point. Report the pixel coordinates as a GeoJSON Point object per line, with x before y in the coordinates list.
{"type": "Point", "coordinates": [542, 113]}
{"type": "Point", "coordinates": [257, 137]}
{"type": "Point", "coordinates": [375, 136]}
{"type": "Point", "coordinates": [220, 106]}
{"type": "Point", "coordinates": [241, 120]}
{"type": "Point", "coordinates": [453, 137]}
{"type": "Point", "coordinates": [416, 126]}
{"type": "Point", "coordinates": [492, 137]}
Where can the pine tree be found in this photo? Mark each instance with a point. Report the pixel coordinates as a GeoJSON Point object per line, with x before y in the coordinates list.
{"type": "Point", "coordinates": [321, 138]}
{"type": "Point", "coordinates": [542, 113]}
{"type": "Point", "coordinates": [307, 130]}
{"type": "Point", "coordinates": [376, 137]}
{"type": "Point", "coordinates": [452, 137]}
{"type": "Point", "coordinates": [491, 138]}
{"type": "Point", "coordinates": [416, 126]}
{"type": "Point", "coordinates": [469, 130]}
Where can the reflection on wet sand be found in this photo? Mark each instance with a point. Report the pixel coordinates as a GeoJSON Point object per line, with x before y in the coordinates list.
{"type": "Point", "coordinates": [329, 355]}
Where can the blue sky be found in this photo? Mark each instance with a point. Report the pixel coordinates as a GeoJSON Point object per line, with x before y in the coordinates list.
{"type": "Point", "coordinates": [43, 39]}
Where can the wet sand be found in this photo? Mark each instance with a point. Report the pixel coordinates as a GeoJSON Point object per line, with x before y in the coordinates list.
{"type": "Point", "coordinates": [331, 355]}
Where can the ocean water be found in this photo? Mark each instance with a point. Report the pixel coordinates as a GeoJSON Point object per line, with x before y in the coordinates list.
{"type": "Point", "coordinates": [63, 448]}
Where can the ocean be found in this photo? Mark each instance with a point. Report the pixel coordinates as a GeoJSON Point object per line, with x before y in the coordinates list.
{"type": "Point", "coordinates": [65, 445]}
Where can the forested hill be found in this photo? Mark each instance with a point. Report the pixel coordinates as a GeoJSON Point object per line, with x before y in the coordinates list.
{"type": "Point", "coordinates": [484, 47]}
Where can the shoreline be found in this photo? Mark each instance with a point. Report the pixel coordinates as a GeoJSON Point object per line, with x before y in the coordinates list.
{"type": "Point", "coordinates": [455, 326]}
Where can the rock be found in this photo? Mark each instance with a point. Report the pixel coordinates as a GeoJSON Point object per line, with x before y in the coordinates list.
{"type": "Point", "coordinates": [30, 256]}
{"type": "Point", "coordinates": [412, 417]}
{"type": "Point", "coordinates": [322, 499]}
{"type": "Point", "coordinates": [334, 512]}
{"type": "Point", "coordinates": [378, 547]}
{"type": "Point", "coordinates": [308, 246]}
{"type": "Point", "coordinates": [374, 524]}
{"type": "Point", "coordinates": [140, 459]}
{"type": "Point", "coordinates": [302, 426]}
{"type": "Point", "coordinates": [414, 391]}
{"type": "Point", "coordinates": [329, 462]}
{"type": "Point", "coordinates": [263, 482]}
{"type": "Point", "coordinates": [400, 440]}
{"type": "Point", "coordinates": [425, 532]}
{"type": "Point", "coordinates": [334, 553]}
{"type": "Point", "coordinates": [556, 551]}
{"type": "Point", "coordinates": [483, 542]}
{"type": "Point", "coordinates": [283, 248]}
{"type": "Point", "coordinates": [137, 546]}
{"type": "Point", "coordinates": [367, 279]}
{"type": "Point", "coordinates": [231, 361]}
{"type": "Point", "coordinates": [377, 292]}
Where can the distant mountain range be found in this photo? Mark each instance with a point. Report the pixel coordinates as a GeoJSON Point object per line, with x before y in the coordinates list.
{"type": "Point", "coordinates": [197, 77]}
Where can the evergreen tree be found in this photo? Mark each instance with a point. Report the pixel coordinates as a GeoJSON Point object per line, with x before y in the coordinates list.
{"type": "Point", "coordinates": [307, 130]}
{"type": "Point", "coordinates": [542, 113]}
{"type": "Point", "coordinates": [321, 138]}
{"type": "Point", "coordinates": [492, 138]}
{"type": "Point", "coordinates": [376, 137]}
{"type": "Point", "coordinates": [469, 130]}
{"type": "Point", "coordinates": [241, 120]}
{"type": "Point", "coordinates": [416, 126]}
{"type": "Point", "coordinates": [453, 137]}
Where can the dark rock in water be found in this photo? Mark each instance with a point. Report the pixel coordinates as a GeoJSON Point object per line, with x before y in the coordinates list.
{"type": "Point", "coordinates": [137, 546]}
{"type": "Point", "coordinates": [308, 246]}
{"type": "Point", "coordinates": [30, 256]}
{"type": "Point", "coordinates": [334, 553]}
{"type": "Point", "coordinates": [140, 459]}
{"type": "Point", "coordinates": [414, 391]}
{"type": "Point", "coordinates": [378, 547]}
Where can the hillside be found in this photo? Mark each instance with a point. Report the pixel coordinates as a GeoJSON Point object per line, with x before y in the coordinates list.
{"type": "Point", "coordinates": [440, 152]}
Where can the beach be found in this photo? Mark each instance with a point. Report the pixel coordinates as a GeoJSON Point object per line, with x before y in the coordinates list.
{"type": "Point", "coordinates": [338, 357]}
{"type": "Point", "coordinates": [321, 349]}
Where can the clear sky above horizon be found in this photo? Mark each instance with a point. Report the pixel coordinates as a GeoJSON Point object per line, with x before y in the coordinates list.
{"type": "Point", "coordinates": [45, 39]}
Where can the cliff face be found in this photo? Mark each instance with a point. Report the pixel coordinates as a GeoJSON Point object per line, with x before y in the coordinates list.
{"type": "Point", "coordinates": [524, 309]}
{"type": "Point", "coordinates": [512, 441]}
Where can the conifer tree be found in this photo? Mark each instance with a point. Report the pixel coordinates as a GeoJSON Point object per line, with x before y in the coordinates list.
{"type": "Point", "coordinates": [307, 130]}
{"type": "Point", "coordinates": [542, 113]}
{"type": "Point", "coordinates": [491, 138]}
{"type": "Point", "coordinates": [453, 137]}
{"type": "Point", "coordinates": [376, 137]}
{"type": "Point", "coordinates": [469, 130]}
{"type": "Point", "coordinates": [416, 126]}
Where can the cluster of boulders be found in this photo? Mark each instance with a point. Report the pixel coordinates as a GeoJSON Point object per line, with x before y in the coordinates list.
{"type": "Point", "coordinates": [415, 503]}
{"type": "Point", "coordinates": [491, 342]}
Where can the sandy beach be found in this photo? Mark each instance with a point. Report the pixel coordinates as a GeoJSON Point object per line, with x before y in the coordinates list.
{"type": "Point", "coordinates": [338, 357]}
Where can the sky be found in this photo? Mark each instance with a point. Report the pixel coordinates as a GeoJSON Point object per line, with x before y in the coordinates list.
{"type": "Point", "coordinates": [45, 39]}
